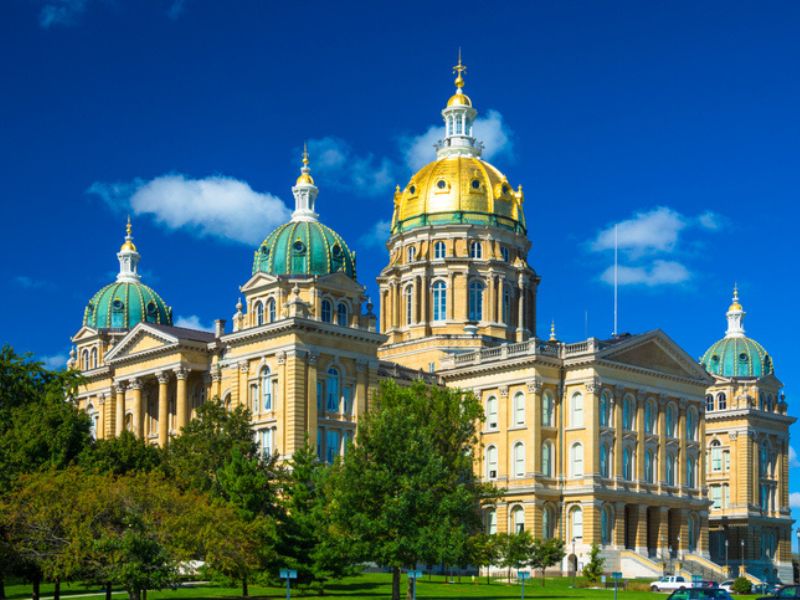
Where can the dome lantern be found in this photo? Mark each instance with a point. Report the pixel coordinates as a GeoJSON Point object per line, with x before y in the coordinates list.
{"type": "Point", "coordinates": [735, 316]}
{"type": "Point", "coordinates": [305, 193]}
{"type": "Point", "coordinates": [128, 259]}
{"type": "Point", "coordinates": [459, 117]}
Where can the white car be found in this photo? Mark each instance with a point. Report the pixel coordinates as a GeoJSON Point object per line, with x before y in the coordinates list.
{"type": "Point", "coordinates": [669, 583]}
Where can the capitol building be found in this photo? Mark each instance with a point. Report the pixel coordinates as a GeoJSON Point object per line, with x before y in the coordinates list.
{"type": "Point", "coordinates": [628, 442]}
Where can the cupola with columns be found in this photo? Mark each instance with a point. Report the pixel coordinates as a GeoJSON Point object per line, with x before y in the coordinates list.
{"type": "Point", "coordinates": [458, 276]}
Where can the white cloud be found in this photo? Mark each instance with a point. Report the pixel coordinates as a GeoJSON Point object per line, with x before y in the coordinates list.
{"type": "Point", "coordinates": [29, 283]}
{"type": "Point", "coordinates": [192, 322]}
{"type": "Point", "coordinates": [794, 500]}
{"type": "Point", "coordinates": [216, 206]}
{"type": "Point", "coordinates": [339, 166]}
{"type": "Point", "coordinates": [647, 244]}
{"type": "Point", "coordinates": [793, 461]}
{"type": "Point", "coordinates": [489, 129]}
{"type": "Point", "coordinates": [377, 234]}
{"type": "Point", "coordinates": [61, 13]}
{"type": "Point", "coordinates": [660, 272]}
{"type": "Point", "coordinates": [54, 361]}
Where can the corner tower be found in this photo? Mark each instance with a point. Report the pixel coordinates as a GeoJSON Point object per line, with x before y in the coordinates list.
{"type": "Point", "coordinates": [747, 441]}
{"type": "Point", "coordinates": [458, 277]}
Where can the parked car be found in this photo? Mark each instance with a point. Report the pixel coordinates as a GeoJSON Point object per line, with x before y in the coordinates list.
{"type": "Point", "coordinates": [668, 583]}
{"type": "Point", "coordinates": [700, 594]}
{"type": "Point", "coordinates": [787, 591]}
{"type": "Point", "coordinates": [727, 585]}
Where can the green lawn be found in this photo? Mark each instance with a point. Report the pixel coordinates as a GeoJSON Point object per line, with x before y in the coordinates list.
{"type": "Point", "coordinates": [374, 586]}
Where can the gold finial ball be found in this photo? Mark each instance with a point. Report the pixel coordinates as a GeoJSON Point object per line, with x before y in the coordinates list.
{"type": "Point", "coordinates": [128, 246]}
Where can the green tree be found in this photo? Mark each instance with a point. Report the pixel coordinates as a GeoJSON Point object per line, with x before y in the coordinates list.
{"type": "Point", "coordinates": [742, 585]}
{"type": "Point", "coordinates": [410, 476]}
{"type": "Point", "coordinates": [485, 551]}
{"type": "Point", "coordinates": [594, 568]}
{"type": "Point", "coordinates": [546, 553]}
{"type": "Point", "coordinates": [515, 550]}
{"type": "Point", "coordinates": [121, 455]}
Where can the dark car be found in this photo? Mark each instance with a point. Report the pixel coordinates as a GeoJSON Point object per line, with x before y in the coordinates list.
{"type": "Point", "coordinates": [787, 591]}
{"type": "Point", "coordinates": [700, 594]}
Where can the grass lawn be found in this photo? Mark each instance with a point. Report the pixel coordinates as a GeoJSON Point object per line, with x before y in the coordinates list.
{"type": "Point", "coordinates": [369, 587]}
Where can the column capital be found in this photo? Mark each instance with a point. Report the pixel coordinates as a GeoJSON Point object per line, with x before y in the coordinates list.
{"type": "Point", "coordinates": [135, 384]}
{"type": "Point", "coordinates": [216, 374]}
{"type": "Point", "coordinates": [619, 392]}
{"type": "Point", "coordinates": [640, 397]}
{"type": "Point", "coordinates": [281, 356]}
{"type": "Point", "coordinates": [163, 377]}
{"type": "Point", "coordinates": [243, 366]}
{"type": "Point", "coordinates": [683, 403]}
{"type": "Point", "coordinates": [535, 385]}
{"type": "Point", "coordinates": [503, 390]}
{"type": "Point", "coordinates": [662, 400]}
{"type": "Point", "coordinates": [593, 386]}
{"type": "Point", "coordinates": [181, 373]}
{"type": "Point", "coordinates": [312, 358]}
{"type": "Point", "coordinates": [361, 365]}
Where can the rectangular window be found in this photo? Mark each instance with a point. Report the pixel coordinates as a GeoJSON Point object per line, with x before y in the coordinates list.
{"type": "Point", "coordinates": [266, 442]}
{"type": "Point", "coordinates": [320, 438]}
{"type": "Point", "coordinates": [716, 459]}
{"type": "Point", "coordinates": [726, 496]}
{"type": "Point", "coordinates": [716, 496]}
{"type": "Point", "coordinates": [254, 398]}
{"type": "Point", "coordinates": [347, 393]}
{"type": "Point", "coordinates": [726, 460]}
{"type": "Point", "coordinates": [319, 396]}
{"type": "Point", "coordinates": [331, 445]}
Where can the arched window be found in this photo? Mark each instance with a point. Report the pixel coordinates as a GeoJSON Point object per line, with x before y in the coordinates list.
{"type": "Point", "coordinates": [548, 522]}
{"type": "Point", "coordinates": [94, 358]}
{"type": "Point", "coordinates": [576, 410]}
{"type": "Point", "coordinates": [85, 360]}
{"type": "Point", "coordinates": [265, 442]}
{"type": "Point", "coordinates": [409, 298]}
{"type": "Point", "coordinates": [518, 519]}
{"type": "Point", "coordinates": [694, 531]}
{"type": "Point", "coordinates": [627, 464]}
{"type": "Point", "coordinates": [439, 301]}
{"type": "Point", "coordinates": [504, 253]}
{"type": "Point", "coordinates": [327, 310]}
{"type": "Point", "coordinates": [769, 402]}
{"type": "Point", "coordinates": [491, 521]}
{"type": "Point", "coordinates": [762, 400]}
{"type": "Point", "coordinates": [576, 522]}
{"type": "Point", "coordinates": [491, 462]}
{"type": "Point", "coordinates": [649, 466]}
{"type": "Point", "coordinates": [476, 250]}
{"type": "Point", "coordinates": [271, 310]}
{"type": "Point", "coordinates": [690, 475]}
{"type": "Point", "coordinates": [506, 304]}
{"type": "Point", "coordinates": [672, 468]}
{"type": "Point", "coordinates": [606, 525]}
{"type": "Point", "coordinates": [716, 456]}
{"type": "Point", "coordinates": [410, 254]}
{"type": "Point", "coordinates": [547, 408]}
{"type": "Point", "coordinates": [491, 412]}
{"type": "Point", "coordinates": [519, 460]}
{"type": "Point", "coordinates": [266, 389]}
{"type": "Point", "coordinates": [519, 408]}
{"type": "Point", "coordinates": [547, 459]}
{"type": "Point", "coordinates": [332, 388]}
{"type": "Point", "coordinates": [439, 250]}
{"type": "Point", "coordinates": [341, 314]}
{"type": "Point", "coordinates": [576, 459]}
{"type": "Point", "coordinates": [628, 412]}
{"type": "Point", "coordinates": [709, 402]}
{"type": "Point", "coordinates": [691, 424]}
{"type": "Point", "coordinates": [722, 401]}
{"type": "Point", "coordinates": [650, 415]}
{"type": "Point", "coordinates": [763, 459]}
{"type": "Point", "coordinates": [259, 313]}
{"type": "Point", "coordinates": [605, 471]}
{"type": "Point", "coordinates": [670, 421]}
{"type": "Point", "coordinates": [475, 300]}
{"type": "Point", "coordinates": [94, 418]}
{"type": "Point", "coordinates": [605, 408]}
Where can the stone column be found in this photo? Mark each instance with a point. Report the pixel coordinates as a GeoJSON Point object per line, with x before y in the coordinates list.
{"type": "Point", "coordinates": [163, 408]}
{"type": "Point", "coordinates": [135, 389]}
{"type": "Point", "coordinates": [521, 309]}
{"type": "Point", "coordinates": [591, 457]}
{"type": "Point", "coordinates": [490, 312]}
{"type": "Point", "coordinates": [618, 537]}
{"type": "Point", "coordinates": [181, 400]}
{"type": "Point", "coordinates": [702, 539]}
{"type": "Point", "coordinates": [701, 455]}
{"type": "Point", "coordinates": [360, 400]}
{"type": "Point", "coordinates": [663, 532]}
{"type": "Point", "coordinates": [682, 454]}
{"type": "Point", "coordinates": [661, 477]}
{"type": "Point", "coordinates": [216, 381]}
{"type": "Point", "coordinates": [119, 410]}
{"type": "Point", "coordinates": [535, 425]}
{"type": "Point", "coordinates": [641, 529]}
{"type": "Point", "coordinates": [388, 309]}
{"type": "Point", "coordinates": [424, 295]}
{"type": "Point", "coordinates": [280, 403]}
{"type": "Point", "coordinates": [450, 300]}
{"type": "Point", "coordinates": [312, 422]}
{"type": "Point", "coordinates": [618, 399]}
{"type": "Point", "coordinates": [640, 446]}
{"type": "Point", "coordinates": [683, 532]}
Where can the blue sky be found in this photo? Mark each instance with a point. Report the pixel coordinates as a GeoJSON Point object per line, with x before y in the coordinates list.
{"type": "Point", "coordinates": [677, 120]}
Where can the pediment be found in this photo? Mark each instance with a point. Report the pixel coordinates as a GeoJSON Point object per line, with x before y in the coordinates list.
{"type": "Point", "coordinates": [141, 339]}
{"type": "Point", "coordinates": [84, 333]}
{"type": "Point", "coordinates": [258, 281]}
{"type": "Point", "coordinates": [340, 280]}
{"type": "Point", "coordinates": [655, 351]}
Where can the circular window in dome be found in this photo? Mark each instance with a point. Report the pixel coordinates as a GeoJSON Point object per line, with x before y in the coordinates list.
{"type": "Point", "coordinates": [743, 357]}
{"type": "Point", "coordinates": [476, 184]}
{"type": "Point", "coordinates": [715, 358]}
{"type": "Point", "coordinates": [151, 307]}
{"type": "Point", "coordinates": [117, 305]}
{"type": "Point", "coordinates": [505, 189]}
{"type": "Point", "coordinates": [413, 189]}
{"type": "Point", "coordinates": [299, 247]}
{"type": "Point", "coordinates": [264, 250]}
{"type": "Point", "coordinates": [337, 250]}
{"type": "Point", "coordinates": [441, 184]}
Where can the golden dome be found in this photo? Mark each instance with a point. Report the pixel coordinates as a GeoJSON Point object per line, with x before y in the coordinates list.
{"type": "Point", "coordinates": [459, 99]}
{"type": "Point", "coordinates": [128, 245]}
{"type": "Point", "coordinates": [458, 189]}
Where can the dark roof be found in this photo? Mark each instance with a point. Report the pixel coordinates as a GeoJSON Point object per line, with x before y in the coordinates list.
{"type": "Point", "coordinates": [184, 333]}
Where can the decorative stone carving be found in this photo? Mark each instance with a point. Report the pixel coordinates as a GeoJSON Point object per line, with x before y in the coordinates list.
{"type": "Point", "coordinates": [733, 435]}
{"type": "Point", "coordinates": [243, 366]}
{"type": "Point", "coordinates": [312, 358]}
{"type": "Point", "coordinates": [593, 386]}
{"type": "Point", "coordinates": [162, 376]}
{"type": "Point", "coordinates": [281, 356]}
{"type": "Point", "coordinates": [535, 385]}
{"type": "Point", "coordinates": [216, 375]}
{"type": "Point", "coordinates": [135, 384]}
{"type": "Point", "coordinates": [181, 373]}
{"type": "Point", "coordinates": [503, 389]}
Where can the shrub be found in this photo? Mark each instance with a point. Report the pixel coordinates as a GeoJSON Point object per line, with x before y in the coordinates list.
{"type": "Point", "coordinates": [741, 585]}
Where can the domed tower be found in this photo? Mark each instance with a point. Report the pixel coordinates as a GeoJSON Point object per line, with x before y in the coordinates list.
{"type": "Point", "coordinates": [458, 277]}
{"type": "Point", "coordinates": [116, 308]}
{"type": "Point", "coordinates": [747, 441]}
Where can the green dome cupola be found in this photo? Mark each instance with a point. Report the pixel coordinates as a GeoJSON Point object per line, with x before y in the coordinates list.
{"type": "Point", "coordinates": [737, 355]}
{"type": "Point", "coordinates": [304, 247]}
{"type": "Point", "coordinates": [127, 301]}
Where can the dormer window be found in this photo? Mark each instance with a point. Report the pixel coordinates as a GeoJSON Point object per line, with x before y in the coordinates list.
{"type": "Point", "coordinates": [476, 184]}
{"type": "Point", "coordinates": [504, 253]}
{"type": "Point", "coordinates": [476, 250]}
{"type": "Point", "coordinates": [441, 184]}
{"type": "Point", "coordinates": [337, 251]}
{"type": "Point", "coordinates": [412, 190]}
{"type": "Point", "coordinates": [299, 247]}
{"type": "Point", "coordinates": [743, 357]}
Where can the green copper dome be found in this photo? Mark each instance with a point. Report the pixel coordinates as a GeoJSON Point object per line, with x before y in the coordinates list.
{"type": "Point", "coordinates": [304, 248]}
{"type": "Point", "coordinates": [738, 357]}
{"type": "Point", "coordinates": [127, 301]}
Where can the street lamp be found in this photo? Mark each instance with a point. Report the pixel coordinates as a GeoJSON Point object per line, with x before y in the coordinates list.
{"type": "Point", "coordinates": [575, 569]}
{"type": "Point", "coordinates": [678, 549]}
{"type": "Point", "coordinates": [727, 569]}
{"type": "Point", "coordinates": [741, 555]}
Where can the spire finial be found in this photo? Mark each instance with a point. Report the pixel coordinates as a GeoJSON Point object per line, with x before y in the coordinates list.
{"type": "Point", "coordinates": [553, 337]}
{"type": "Point", "coordinates": [459, 70]}
{"type": "Point", "coordinates": [128, 257]}
{"type": "Point", "coordinates": [305, 154]}
{"type": "Point", "coordinates": [128, 245]}
{"type": "Point", "coordinates": [735, 316]}
{"type": "Point", "coordinates": [128, 227]}
{"type": "Point", "coordinates": [305, 172]}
